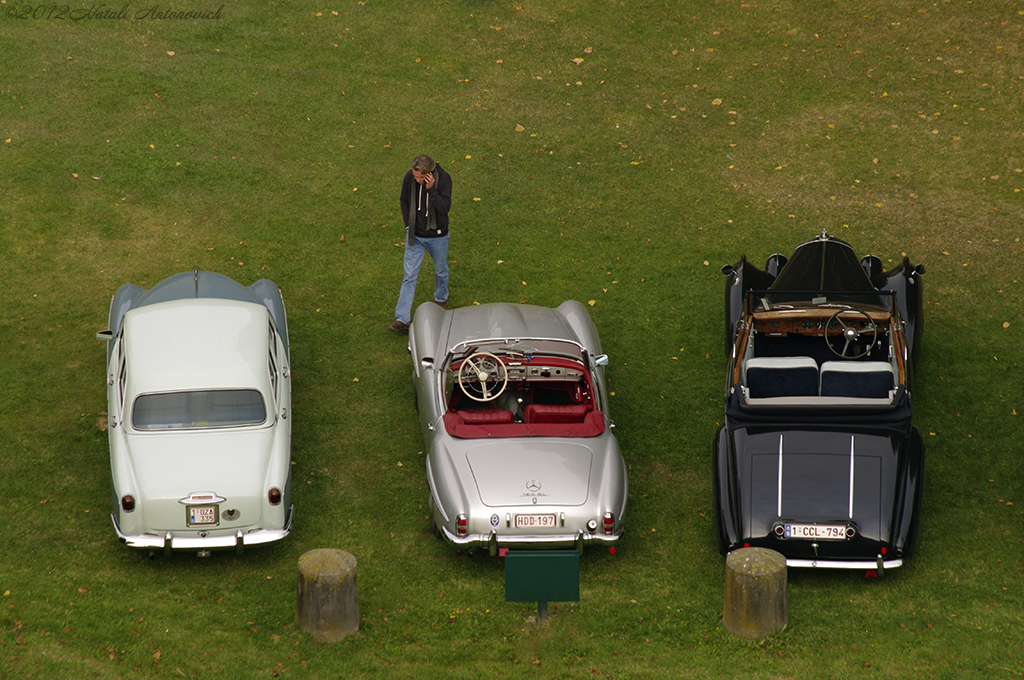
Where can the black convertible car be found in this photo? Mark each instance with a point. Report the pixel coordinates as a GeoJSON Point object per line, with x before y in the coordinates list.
{"type": "Point", "coordinates": [818, 458]}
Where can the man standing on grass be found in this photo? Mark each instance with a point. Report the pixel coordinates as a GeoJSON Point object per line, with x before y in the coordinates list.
{"type": "Point", "coordinates": [426, 197]}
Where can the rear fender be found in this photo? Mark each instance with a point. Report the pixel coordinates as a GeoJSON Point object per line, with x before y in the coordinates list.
{"type": "Point", "coordinates": [726, 505]}
{"type": "Point", "coordinates": [905, 534]}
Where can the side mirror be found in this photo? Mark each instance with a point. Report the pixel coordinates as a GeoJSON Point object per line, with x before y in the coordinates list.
{"type": "Point", "coordinates": [919, 269]}
{"type": "Point", "coordinates": [728, 270]}
{"type": "Point", "coordinates": [107, 335]}
{"type": "Point", "coordinates": [601, 360]}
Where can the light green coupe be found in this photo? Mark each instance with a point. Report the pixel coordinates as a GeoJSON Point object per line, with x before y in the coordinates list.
{"type": "Point", "coordinates": [199, 409]}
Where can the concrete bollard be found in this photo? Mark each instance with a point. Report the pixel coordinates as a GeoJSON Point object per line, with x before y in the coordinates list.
{"type": "Point", "coordinates": [755, 593]}
{"type": "Point", "coordinates": [328, 600]}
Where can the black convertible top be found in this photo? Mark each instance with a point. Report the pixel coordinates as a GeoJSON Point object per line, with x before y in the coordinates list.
{"type": "Point", "coordinates": [894, 418]}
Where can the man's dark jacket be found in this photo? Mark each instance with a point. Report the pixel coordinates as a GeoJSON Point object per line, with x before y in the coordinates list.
{"type": "Point", "coordinates": [427, 208]}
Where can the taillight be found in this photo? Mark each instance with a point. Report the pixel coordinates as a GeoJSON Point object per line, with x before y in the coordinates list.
{"type": "Point", "coordinates": [127, 502]}
{"type": "Point", "coordinates": [461, 525]}
{"type": "Point", "coordinates": [609, 523]}
{"type": "Point", "coordinates": [274, 496]}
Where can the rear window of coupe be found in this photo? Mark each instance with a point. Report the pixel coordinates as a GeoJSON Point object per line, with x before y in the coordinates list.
{"type": "Point", "coordinates": [200, 409]}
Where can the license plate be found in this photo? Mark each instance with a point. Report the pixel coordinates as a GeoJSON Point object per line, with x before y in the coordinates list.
{"type": "Point", "coordinates": [535, 521]}
{"type": "Point", "coordinates": [202, 514]}
{"type": "Point", "coordinates": [825, 532]}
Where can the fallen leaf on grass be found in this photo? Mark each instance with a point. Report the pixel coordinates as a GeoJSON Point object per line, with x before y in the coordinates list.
{"type": "Point", "coordinates": [589, 302]}
{"type": "Point", "coordinates": [519, 128]}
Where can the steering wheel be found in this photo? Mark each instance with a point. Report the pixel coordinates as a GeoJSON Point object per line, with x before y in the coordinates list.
{"type": "Point", "coordinates": [850, 334]}
{"type": "Point", "coordinates": [476, 371]}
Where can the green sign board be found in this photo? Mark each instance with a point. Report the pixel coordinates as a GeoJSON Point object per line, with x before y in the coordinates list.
{"type": "Point", "coordinates": [542, 576]}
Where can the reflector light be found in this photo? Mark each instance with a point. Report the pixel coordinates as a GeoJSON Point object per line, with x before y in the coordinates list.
{"type": "Point", "coordinates": [461, 525]}
{"type": "Point", "coordinates": [127, 502]}
{"type": "Point", "coordinates": [609, 523]}
{"type": "Point", "coordinates": [611, 550]}
{"type": "Point", "coordinates": [274, 496]}
{"type": "Point", "coordinates": [746, 545]}
{"type": "Point", "coordinates": [884, 550]}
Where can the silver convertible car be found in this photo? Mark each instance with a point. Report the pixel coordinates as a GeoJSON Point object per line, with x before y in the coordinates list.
{"type": "Point", "coordinates": [199, 408]}
{"type": "Point", "coordinates": [514, 414]}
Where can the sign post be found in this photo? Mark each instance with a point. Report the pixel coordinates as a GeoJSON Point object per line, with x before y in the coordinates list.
{"type": "Point", "coordinates": [542, 576]}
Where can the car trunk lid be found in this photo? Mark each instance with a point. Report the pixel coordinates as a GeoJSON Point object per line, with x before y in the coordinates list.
{"type": "Point", "coordinates": [534, 472]}
{"type": "Point", "coordinates": [816, 478]}
{"type": "Point", "coordinates": [230, 465]}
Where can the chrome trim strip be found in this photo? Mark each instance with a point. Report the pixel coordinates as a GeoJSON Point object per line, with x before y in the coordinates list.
{"type": "Point", "coordinates": [779, 509]}
{"type": "Point", "coordinates": [851, 476]}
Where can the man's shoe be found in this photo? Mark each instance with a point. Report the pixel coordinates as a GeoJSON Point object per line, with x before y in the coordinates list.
{"type": "Point", "coordinates": [398, 327]}
{"type": "Point", "coordinates": [442, 305]}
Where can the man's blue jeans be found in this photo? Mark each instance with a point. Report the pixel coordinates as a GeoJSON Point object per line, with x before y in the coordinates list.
{"type": "Point", "coordinates": [438, 249]}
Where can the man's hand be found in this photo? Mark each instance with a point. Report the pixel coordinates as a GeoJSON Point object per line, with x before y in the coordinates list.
{"type": "Point", "coordinates": [424, 178]}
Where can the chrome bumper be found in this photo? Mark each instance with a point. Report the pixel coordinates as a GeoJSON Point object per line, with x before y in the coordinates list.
{"type": "Point", "coordinates": [868, 565]}
{"type": "Point", "coordinates": [492, 541]}
{"type": "Point", "coordinates": [237, 540]}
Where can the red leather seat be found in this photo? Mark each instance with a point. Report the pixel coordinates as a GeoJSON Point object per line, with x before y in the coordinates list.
{"type": "Point", "coordinates": [492, 416]}
{"type": "Point", "coordinates": [546, 413]}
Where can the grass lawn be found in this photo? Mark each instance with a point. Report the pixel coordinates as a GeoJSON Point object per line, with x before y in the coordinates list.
{"type": "Point", "coordinates": [618, 153]}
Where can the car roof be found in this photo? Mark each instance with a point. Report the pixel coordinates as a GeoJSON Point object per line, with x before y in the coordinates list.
{"type": "Point", "coordinates": [503, 320]}
{"type": "Point", "coordinates": [198, 343]}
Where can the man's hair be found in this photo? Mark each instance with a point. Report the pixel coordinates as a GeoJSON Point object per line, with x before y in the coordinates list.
{"type": "Point", "coordinates": [423, 163]}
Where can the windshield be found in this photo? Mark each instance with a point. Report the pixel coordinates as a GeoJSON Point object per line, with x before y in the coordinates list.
{"type": "Point", "coordinates": [201, 409]}
{"type": "Point", "coordinates": [524, 349]}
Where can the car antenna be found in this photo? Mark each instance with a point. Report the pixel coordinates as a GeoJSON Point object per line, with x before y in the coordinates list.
{"type": "Point", "coordinates": [195, 272]}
